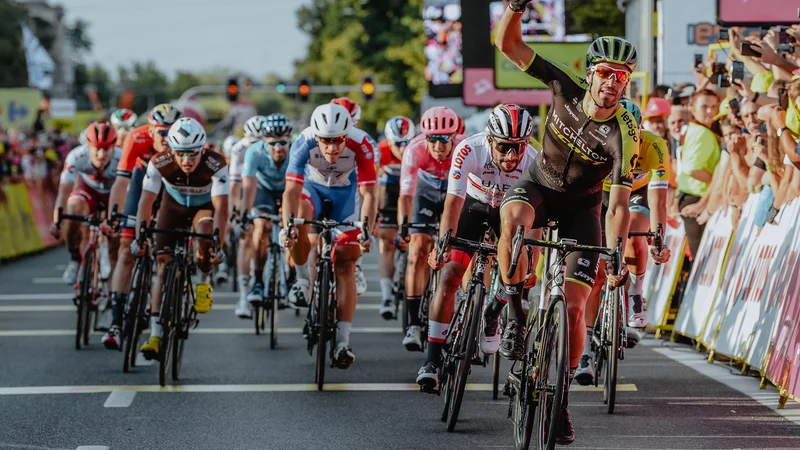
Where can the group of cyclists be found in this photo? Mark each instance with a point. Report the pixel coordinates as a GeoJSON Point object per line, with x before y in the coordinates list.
{"type": "Point", "coordinates": [596, 172]}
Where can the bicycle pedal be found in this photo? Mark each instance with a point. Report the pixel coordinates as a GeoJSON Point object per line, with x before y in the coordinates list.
{"type": "Point", "coordinates": [430, 390]}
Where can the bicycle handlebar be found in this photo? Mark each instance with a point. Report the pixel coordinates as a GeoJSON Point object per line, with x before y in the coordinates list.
{"type": "Point", "coordinates": [91, 220]}
{"type": "Point", "coordinates": [448, 239]}
{"type": "Point", "coordinates": [657, 236]}
{"type": "Point", "coordinates": [181, 232]}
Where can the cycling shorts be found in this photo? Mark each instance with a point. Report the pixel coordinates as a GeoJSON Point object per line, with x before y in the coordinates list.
{"type": "Point", "coordinates": [389, 209]}
{"type": "Point", "coordinates": [132, 202]}
{"type": "Point", "coordinates": [267, 201]}
{"type": "Point", "coordinates": [173, 215]}
{"type": "Point", "coordinates": [470, 226]}
{"type": "Point", "coordinates": [637, 202]}
{"type": "Point", "coordinates": [345, 207]}
{"type": "Point", "coordinates": [95, 200]}
{"type": "Point", "coordinates": [428, 206]}
{"type": "Point", "coordinates": [578, 218]}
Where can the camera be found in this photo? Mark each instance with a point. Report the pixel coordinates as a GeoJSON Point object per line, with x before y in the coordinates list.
{"type": "Point", "coordinates": [719, 75]}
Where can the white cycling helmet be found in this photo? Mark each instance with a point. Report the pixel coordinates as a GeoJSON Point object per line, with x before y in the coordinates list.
{"type": "Point", "coordinates": [227, 145]}
{"type": "Point", "coordinates": [331, 120]}
{"type": "Point", "coordinates": [186, 134]}
{"type": "Point", "coordinates": [254, 127]}
{"type": "Point", "coordinates": [123, 118]}
{"type": "Point", "coordinates": [399, 129]}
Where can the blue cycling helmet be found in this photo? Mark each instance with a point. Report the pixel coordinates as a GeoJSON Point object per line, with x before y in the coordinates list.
{"type": "Point", "coordinates": [277, 125]}
{"type": "Point", "coordinates": [632, 108]}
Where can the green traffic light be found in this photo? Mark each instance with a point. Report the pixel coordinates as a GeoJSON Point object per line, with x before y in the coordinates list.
{"type": "Point", "coordinates": [281, 88]}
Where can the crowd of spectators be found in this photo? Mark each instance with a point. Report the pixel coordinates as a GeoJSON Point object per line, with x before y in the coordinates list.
{"type": "Point", "coordinates": [734, 133]}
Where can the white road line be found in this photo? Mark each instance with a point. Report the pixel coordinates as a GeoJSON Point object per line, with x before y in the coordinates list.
{"type": "Point", "coordinates": [68, 296]}
{"type": "Point", "coordinates": [119, 399]}
{"type": "Point", "coordinates": [721, 373]}
{"type": "Point", "coordinates": [47, 280]}
{"type": "Point", "coordinates": [200, 330]}
{"type": "Point", "coordinates": [71, 308]}
{"type": "Point", "coordinates": [364, 387]}
{"type": "Point", "coordinates": [93, 447]}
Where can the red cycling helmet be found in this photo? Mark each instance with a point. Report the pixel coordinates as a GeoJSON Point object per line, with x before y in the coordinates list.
{"type": "Point", "coordinates": [462, 127]}
{"type": "Point", "coordinates": [351, 107]}
{"type": "Point", "coordinates": [101, 135]}
{"type": "Point", "coordinates": [439, 120]}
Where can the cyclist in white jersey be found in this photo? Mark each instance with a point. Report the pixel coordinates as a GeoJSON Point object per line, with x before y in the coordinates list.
{"type": "Point", "coordinates": [484, 167]}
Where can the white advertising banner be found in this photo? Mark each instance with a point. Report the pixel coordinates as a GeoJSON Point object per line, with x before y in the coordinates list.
{"type": "Point", "coordinates": [665, 276]}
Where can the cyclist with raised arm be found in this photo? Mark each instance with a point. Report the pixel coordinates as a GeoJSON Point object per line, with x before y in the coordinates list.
{"type": "Point", "coordinates": [329, 161]}
{"type": "Point", "coordinates": [587, 137]}
{"type": "Point", "coordinates": [142, 144]}
{"type": "Point", "coordinates": [648, 207]}
{"type": "Point", "coordinates": [253, 133]}
{"type": "Point", "coordinates": [89, 171]}
{"type": "Point", "coordinates": [355, 114]}
{"type": "Point", "coordinates": [423, 188]}
{"type": "Point", "coordinates": [484, 167]}
{"type": "Point", "coordinates": [122, 120]}
{"type": "Point", "coordinates": [399, 131]}
{"type": "Point", "coordinates": [195, 197]}
{"type": "Point", "coordinates": [263, 183]}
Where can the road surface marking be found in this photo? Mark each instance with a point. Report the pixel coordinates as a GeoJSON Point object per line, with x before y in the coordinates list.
{"type": "Point", "coordinates": [722, 374]}
{"type": "Point", "coordinates": [141, 361]}
{"type": "Point", "coordinates": [200, 330]}
{"type": "Point", "coordinates": [349, 387]}
{"type": "Point", "coordinates": [69, 296]}
{"type": "Point", "coordinates": [119, 399]}
{"type": "Point", "coordinates": [47, 280]}
{"type": "Point", "coordinates": [93, 447]}
{"type": "Point", "coordinates": [72, 308]}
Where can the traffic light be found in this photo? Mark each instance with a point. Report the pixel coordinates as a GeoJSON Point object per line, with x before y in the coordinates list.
{"type": "Point", "coordinates": [367, 88]}
{"type": "Point", "coordinates": [304, 89]}
{"type": "Point", "coordinates": [281, 87]}
{"type": "Point", "coordinates": [233, 90]}
{"type": "Point", "coordinates": [248, 85]}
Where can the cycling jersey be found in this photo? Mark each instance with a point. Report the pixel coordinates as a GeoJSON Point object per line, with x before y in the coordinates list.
{"type": "Point", "coordinates": [258, 163]}
{"type": "Point", "coordinates": [389, 163]}
{"type": "Point", "coordinates": [355, 164]}
{"type": "Point", "coordinates": [578, 152]}
{"type": "Point", "coordinates": [418, 163]}
{"type": "Point", "coordinates": [474, 173]}
{"type": "Point", "coordinates": [652, 167]}
{"type": "Point", "coordinates": [137, 149]}
{"type": "Point", "coordinates": [209, 179]}
{"type": "Point", "coordinates": [238, 152]}
{"type": "Point", "coordinates": [79, 165]}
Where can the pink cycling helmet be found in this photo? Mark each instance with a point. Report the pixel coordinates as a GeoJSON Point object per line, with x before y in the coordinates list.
{"type": "Point", "coordinates": [439, 120]}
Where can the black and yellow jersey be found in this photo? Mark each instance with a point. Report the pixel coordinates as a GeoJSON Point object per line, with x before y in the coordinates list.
{"type": "Point", "coordinates": [652, 166]}
{"type": "Point", "coordinates": [579, 152]}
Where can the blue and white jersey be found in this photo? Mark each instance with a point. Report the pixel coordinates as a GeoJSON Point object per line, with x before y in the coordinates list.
{"type": "Point", "coordinates": [355, 165]}
{"type": "Point", "coordinates": [258, 163]}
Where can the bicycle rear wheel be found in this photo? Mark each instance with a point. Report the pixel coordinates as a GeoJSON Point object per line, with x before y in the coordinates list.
{"type": "Point", "coordinates": [182, 313]}
{"type": "Point", "coordinates": [135, 311]}
{"type": "Point", "coordinates": [234, 267]}
{"type": "Point", "coordinates": [614, 331]}
{"type": "Point", "coordinates": [84, 300]}
{"type": "Point", "coordinates": [468, 344]}
{"type": "Point", "coordinates": [171, 297]}
{"type": "Point", "coordinates": [551, 377]}
{"type": "Point", "coordinates": [323, 284]}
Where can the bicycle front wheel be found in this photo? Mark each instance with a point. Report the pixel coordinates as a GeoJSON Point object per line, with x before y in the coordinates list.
{"type": "Point", "coordinates": [551, 378]}
{"type": "Point", "coordinates": [170, 298]}
{"type": "Point", "coordinates": [181, 326]}
{"type": "Point", "coordinates": [140, 285]}
{"type": "Point", "coordinates": [614, 330]}
{"type": "Point", "coordinates": [323, 317]}
{"type": "Point", "coordinates": [468, 345]}
{"type": "Point", "coordinates": [274, 297]}
{"type": "Point", "coordinates": [84, 299]}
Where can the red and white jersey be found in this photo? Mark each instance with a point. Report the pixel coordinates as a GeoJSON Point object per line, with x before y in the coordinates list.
{"type": "Point", "coordinates": [236, 163]}
{"type": "Point", "coordinates": [418, 163]}
{"type": "Point", "coordinates": [78, 164]}
{"type": "Point", "coordinates": [474, 173]}
{"type": "Point", "coordinates": [355, 165]}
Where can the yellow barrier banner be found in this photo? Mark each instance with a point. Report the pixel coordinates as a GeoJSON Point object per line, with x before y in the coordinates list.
{"type": "Point", "coordinates": [19, 106]}
{"type": "Point", "coordinates": [21, 234]}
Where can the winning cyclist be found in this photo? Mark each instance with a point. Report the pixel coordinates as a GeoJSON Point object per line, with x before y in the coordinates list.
{"type": "Point", "coordinates": [650, 182]}
{"type": "Point", "coordinates": [485, 166]}
{"type": "Point", "coordinates": [263, 183]}
{"type": "Point", "coordinates": [355, 114]}
{"type": "Point", "coordinates": [587, 137]}
{"type": "Point", "coordinates": [330, 161]}
{"type": "Point", "coordinates": [89, 171]}
{"type": "Point", "coordinates": [139, 147]}
{"type": "Point", "coordinates": [253, 132]}
{"type": "Point", "coordinates": [195, 196]}
{"type": "Point", "coordinates": [426, 159]}
{"type": "Point", "coordinates": [399, 131]}
{"type": "Point", "coordinates": [122, 120]}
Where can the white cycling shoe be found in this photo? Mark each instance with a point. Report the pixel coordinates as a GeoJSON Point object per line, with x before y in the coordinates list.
{"type": "Point", "coordinates": [300, 294]}
{"type": "Point", "coordinates": [490, 337]}
{"type": "Point", "coordinates": [70, 275]}
{"type": "Point", "coordinates": [243, 309]}
{"type": "Point", "coordinates": [361, 281]}
{"type": "Point", "coordinates": [585, 373]}
{"type": "Point", "coordinates": [413, 339]}
{"type": "Point", "coordinates": [639, 317]}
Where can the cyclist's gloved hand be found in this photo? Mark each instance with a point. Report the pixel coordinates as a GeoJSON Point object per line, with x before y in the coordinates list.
{"type": "Point", "coordinates": [55, 230]}
{"type": "Point", "coordinates": [287, 237]}
{"type": "Point", "coordinates": [218, 257]}
{"type": "Point", "coordinates": [136, 250]}
{"type": "Point", "coordinates": [660, 257]}
{"type": "Point", "coordinates": [530, 280]}
{"type": "Point", "coordinates": [617, 280]}
{"type": "Point", "coordinates": [518, 5]}
{"type": "Point", "coordinates": [434, 262]}
{"type": "Point", "coordinates": [365, 242]}
{"type": "Point", "coordinates": [400, 243]}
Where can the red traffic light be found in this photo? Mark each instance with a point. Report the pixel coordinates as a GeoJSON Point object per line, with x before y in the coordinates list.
{"type": "Point", "coordinates": [304, 90]}
{"type": "Point", "coordinates": [368, 88]}
{"type": "Point", "coordinates": [248, 85]}
{"type": "Point", "coordinates": [233, 89]}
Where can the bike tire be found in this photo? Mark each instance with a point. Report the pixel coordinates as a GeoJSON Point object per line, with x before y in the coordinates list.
{"type": "Point", "coordinates": [275, 297]}
{"type": "Point", "coordinates": [446, 378]}
{"type": "Point", "coordinates": [140, 284]}
{"type": "Point", "coordinates": [181, 315]}
{"type": "Point", "coordinates": [496, 376]}
{"type": "Point", "coordinates": [524, 408]}
{"type": "Point", "coordinates": [469, 343]}
{"type": "Point", "coordinates": [84, 301]}
{"type": "Point", "coordinates": [553, 350]}
{"type": "Point", "coordinates": [322, 335]}
{"type": "Point", "coordinates": [234, 266]}
{"type": "Point", "coordinates": [258, 310]}
{"type": "Point", "coordinates": [610, 382]}
{"type": "Point", "coordinates": [170, 297]}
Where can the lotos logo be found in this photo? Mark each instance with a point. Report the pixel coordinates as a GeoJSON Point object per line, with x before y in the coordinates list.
{"type": "Point", "coordinates": [705, 33]}
{"type": "Point", "coordinates": [459, 159]}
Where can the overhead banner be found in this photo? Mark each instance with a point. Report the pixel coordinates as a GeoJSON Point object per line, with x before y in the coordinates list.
{"type": "Point", "coordinates": [751, 12]}
{"type": "Point", "coordinates": [743, 238]}
{"type": "Point", "coordinates": [572, 55]}
{"type": "Point", "coordinates": [666, 276]}
{"type": "Point", "coordinates": [704, 279]}
{"type": "Point", "coordinates": [479, 90]}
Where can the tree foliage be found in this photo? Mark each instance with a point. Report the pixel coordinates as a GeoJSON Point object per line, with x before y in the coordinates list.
{"type": "Point", "coordinates": [601, 17]}
{"type": "Point", "coordinates": [12, 55]}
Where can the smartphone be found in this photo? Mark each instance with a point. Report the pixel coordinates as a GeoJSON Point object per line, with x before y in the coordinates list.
{"type": "Point", "coordinates": [783, 98]}
{"type": "Point", "coordinates": [698, 61]}
{"type": "Point", "coordinates": [734, 104]}
{"type": "Point", "coordinates": [783, 36]}
{"type": "Point", "coordinates": [748, 50]}
{"type": "Point", "coordinates": [763, 129]}
{"type": "Point", "coordinates": [723, 34]}
{"type": "Point", "coordinates": [737, 70]}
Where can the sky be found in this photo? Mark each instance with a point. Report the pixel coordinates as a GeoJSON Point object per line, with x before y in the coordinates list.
{"type": "Point", "coordinates": [254, 36]}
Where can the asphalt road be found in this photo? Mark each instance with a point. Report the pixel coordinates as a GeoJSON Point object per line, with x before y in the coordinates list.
{"type": "Point", "coordinates": [236, 393]}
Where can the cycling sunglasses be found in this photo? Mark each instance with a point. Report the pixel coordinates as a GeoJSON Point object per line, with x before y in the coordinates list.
{"type": "Point", "coordinates": [189, 153]}
{"type": "Point", "coordinates": [333, 141]}
{"type": "Point", "coordinates": [606, 72]}
{"type": "Point", "coordinates": [401, 143]}
{"type": "Point", "coordinates": [163, 132]}
{"type": "Point", "coordinates": [281, 143]}
{"type": "Point", "coordinates": [506, 147]}
{"type": "Point", "coordinates": [434, 138]}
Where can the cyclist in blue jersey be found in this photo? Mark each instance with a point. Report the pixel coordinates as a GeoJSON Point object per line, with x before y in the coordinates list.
{"type": "Point", "coordinates": [263, 183]}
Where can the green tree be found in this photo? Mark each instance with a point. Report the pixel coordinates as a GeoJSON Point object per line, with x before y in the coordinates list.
{"type": "Point", "coordinates": [12, 55]}
{"type": "Point", "coordinates": [147, 82]}
{"type": "Point", "coordinates": [601, 17]}
{"type": "Point", "coordinates": [182, 82]}
{"type": "Point", "coordinates": [79, 36]}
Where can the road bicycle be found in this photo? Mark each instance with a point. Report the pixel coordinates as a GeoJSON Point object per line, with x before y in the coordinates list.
{"type": "Point", "coordinates": [536, 383]}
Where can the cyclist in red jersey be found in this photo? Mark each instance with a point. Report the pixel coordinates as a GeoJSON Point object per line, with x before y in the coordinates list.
{"type": "Point", "coordinates": [141, 144]}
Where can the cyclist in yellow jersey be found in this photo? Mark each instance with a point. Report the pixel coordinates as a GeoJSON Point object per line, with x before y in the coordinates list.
{"type": "Point", "coordinates": [650, 182]}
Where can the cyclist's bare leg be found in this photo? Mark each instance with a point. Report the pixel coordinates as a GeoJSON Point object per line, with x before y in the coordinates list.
{"type": "Point", "coordinates": [386, 261]}
{"type": "Point", "coordinates": [511, 216]}
{"type": "Point", "coordinates": [121, 276]}
{"type": "Point", "coordinates": [442, 308]}
{"type": "Point", "coordinates": [577, 295]}
{"type": "Point", "coordinates": [243, 256]}
{"type": "Point", "coordinates": [345, 257]}
{"type": "Point", "coordinates": [204, 223]}
{"type": "Point", "coordinates": [301, 249]}
{"type": "Point", "coordinates": [113, 249]}
{"type": "Point", "coordinates": [155, 292]}
{"type": "Point", "coordinates": [76, 235]}
{"type": "Point", "coordinates": [262, 234]}
{"type": "Point", "coordinates": [417, 273]}
{"type": "Point", "coordinates": [636, 252]}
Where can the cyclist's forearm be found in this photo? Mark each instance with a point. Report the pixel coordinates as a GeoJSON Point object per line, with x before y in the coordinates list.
{"type": "Point", "coordinates": [369, 208]}
{"type": "Point", "coordinates": [145, 207]}
{"type": "Point", "coordinates": [249, 187]}
{"type": "Point", "coordinates": [657, 198]}
{"type": "Point", "coordinates": [452, 211]}
{"type": "Point", "coordinates": [291, 200]}
{"type": "Point", "coordinates": [235, 195]}
{"type": "Point", "coordinates": [117, 196]}
{"type": "Point", "coordinates": [509, 39]}
{"type": "Point", "coordinates": [64, 189]}
{"type": "Point", "coordinates": [220, 203]}
{"type": "Point", "coordinates": [404, 205]}
{"type": "Point", "coordinates": [617, 224]}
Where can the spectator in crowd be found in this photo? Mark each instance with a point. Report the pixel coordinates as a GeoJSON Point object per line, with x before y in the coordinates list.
{"type": "Point", "coordinates": [679, 117]}
{"type": "Point", "coordinates": [698, 157]}
{"type": "Point", "coordinates": [655, 116]}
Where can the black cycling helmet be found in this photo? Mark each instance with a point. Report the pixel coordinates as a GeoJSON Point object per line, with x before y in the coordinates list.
{"type": "Point", "coordinates": [612, 49]}
{"type": "Point", "coordinates": [277, 125]}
